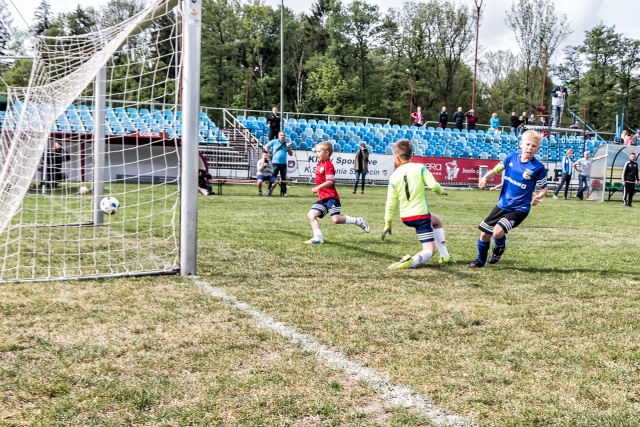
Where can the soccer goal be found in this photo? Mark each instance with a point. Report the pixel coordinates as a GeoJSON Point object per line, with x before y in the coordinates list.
{"type": "Point", "coordinates": [109, 118]}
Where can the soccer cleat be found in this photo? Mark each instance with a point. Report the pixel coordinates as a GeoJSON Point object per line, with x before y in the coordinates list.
{"type": "Point", "coordinates": [314, 241]}
{"type": "Point", "coordinates": [555, 197]}
{"type": "Point", "coordinates": [405, 262]}
{"type": "Point", "coordinates": [269, 192]}
{"type": "Point", "coordinates": [259, 193]}
{"type": "Point", "coordinates": [444, 260]}
{"type": "Point", "coordinates": [475, 264]}
{"type": "Point", "coordinates": [496, 254]}
{"type": "Point", "coordinates": [360, 222]}
{"type": "Point", "coordinates": [566, 198]}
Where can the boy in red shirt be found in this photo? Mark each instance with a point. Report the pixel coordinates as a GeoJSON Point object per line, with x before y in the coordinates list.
{"type": "Point", "coordinates": [328, 198]}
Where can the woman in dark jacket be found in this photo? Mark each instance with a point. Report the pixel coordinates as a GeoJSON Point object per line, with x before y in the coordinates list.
{"type": "Point", "coordinates": [361, 166]}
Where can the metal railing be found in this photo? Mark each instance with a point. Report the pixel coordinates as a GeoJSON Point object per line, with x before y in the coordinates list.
{"type": "Point", "coordinates": [326, 117]}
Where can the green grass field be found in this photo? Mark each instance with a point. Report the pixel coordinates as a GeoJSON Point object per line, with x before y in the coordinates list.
{"type": "Point", "coordinates": [547, 337]}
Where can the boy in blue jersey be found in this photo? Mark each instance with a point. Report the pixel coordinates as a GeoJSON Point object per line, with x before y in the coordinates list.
{"type": "Point", "coordinates": [522, 172]}
{"type": "Point", "coordinates": [407, 192]}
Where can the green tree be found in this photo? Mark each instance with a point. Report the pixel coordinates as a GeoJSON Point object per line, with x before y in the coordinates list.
{"type": "Point", "coordinates": [6, 29]}
{"type": "Point", "coordinates": [42, 17]}
{"type": "Point", "coordinates": [500, 71]}
{"type": "Point", "coordinates": [601, 50]}
{"type": "Point", "coordinates": [329, 91]}
{"type": "Point", "coordinates": [537, 27]}
{"type": "Point", "coordinates": [356, 31]}
{"type": "Point", "coordinates": [221, 54]}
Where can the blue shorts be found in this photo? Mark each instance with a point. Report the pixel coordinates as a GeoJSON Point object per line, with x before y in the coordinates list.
{"type": "Point", "coordinates": [330, 206]}
{"type": "Point", "coordinates": [269, 178]}
{"type": "Point", "coordinates": [423, 229]}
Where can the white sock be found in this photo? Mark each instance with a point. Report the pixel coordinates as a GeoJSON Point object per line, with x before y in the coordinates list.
{"type": "Point", "coordinates": [318, 234]}
{"type": "Point", "coordinates": [421, 257]}
{"type": "Point", "coordinates": [350, 220]}
{"type": "Point", "coordinates": [441, 243]}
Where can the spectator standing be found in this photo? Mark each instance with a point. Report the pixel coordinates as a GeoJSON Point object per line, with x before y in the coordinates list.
{"type": "Point", "coordinates": [630, 179]}
{"type": "Point", "coordinates": [273, 121]}
{"type": "Point", "coordinates": [361, 166]}
{"type": "Point", "coordinates": [458, 118]}
{"type": "Point", "coordinates": [559, 95]}
{"type": "Point", "coordinates": [515, 123]}
{"type": "Point", "coordinates": [523, 121]}
{"type": "Point", "coordinates": [532, 120]}
{"type": "Point", "coordinates": [443, 118]}
{"type": "Point", "coordinates": [583, 166]}
{"type": "Point", "coordinates": [54, 158]}
{"type": "Point", "coordinates": [472, 120]}
{"type": "Point", "coordinates": [418, 117]}
{"type": "Point", "coordinates": [265, 173]}
{"type": "Point", "coordinates": [495, 123]}
{"type": "Point", "coordinates": [279, 149]}
{"type": "Point", "coordinates": [636, 138]}
{"type": "Point", "coordinates": [567, 168]}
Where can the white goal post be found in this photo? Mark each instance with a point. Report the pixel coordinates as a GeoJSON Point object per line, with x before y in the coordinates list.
{"type": "Point", "coordinates": [113, 113]}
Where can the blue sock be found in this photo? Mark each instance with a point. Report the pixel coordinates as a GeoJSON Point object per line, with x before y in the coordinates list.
{"type": "Point", "coordinates": [483, 250]}
{"type": "Point", "coordinates": [501, 243]}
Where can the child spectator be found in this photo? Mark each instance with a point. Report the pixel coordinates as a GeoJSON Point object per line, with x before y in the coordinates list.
{"type": "Point", "coordinates": [328, 198]}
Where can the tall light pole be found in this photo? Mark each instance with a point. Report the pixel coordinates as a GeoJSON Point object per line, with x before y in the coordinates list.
{"type": "Point", "coordinates": [408, 73]}
{"type": "Point", "coordinates": [542, 106]}
{"type": "Point", "coordinates": [475, 62]}
{"type": "Point", "coordinates": [282, 65]}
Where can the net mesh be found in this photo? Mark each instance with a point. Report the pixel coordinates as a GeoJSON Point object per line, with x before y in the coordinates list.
{"type": "Point", "coordinates": [49, 222]}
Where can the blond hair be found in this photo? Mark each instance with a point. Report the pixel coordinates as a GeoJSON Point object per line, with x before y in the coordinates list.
{"type": "Point", "coordinates": [403, 149]}
{"type": "Point", "coordinates": [326, 146]}
{"type": "Point", "coordinates": [533, 136]}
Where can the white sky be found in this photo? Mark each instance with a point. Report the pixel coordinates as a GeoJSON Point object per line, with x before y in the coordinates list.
{"type": "Point", "coordinates": [494, 34]}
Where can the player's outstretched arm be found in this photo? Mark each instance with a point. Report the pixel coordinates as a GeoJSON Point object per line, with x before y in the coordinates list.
{"type": "Point", "coordinates": [490, 174]}
{"type": "Point", "coordinates": [538, 198]}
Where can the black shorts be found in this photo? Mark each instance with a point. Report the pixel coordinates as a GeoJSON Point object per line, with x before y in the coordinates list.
{"type": "Point", "coordinates": [507, 220]}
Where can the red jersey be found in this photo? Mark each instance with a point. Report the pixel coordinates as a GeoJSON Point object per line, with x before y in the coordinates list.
{"type": "Point", "coordinates": [326, 172]}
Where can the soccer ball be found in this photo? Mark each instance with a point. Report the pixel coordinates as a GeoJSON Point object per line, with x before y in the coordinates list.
{"type": "Point", "coordinates": [83, 190]}
{"type": "Point", "coordinates": [109, 205]}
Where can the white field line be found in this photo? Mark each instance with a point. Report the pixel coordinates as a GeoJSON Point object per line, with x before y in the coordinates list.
{"type": "Point", "coordinates": [393, 393]}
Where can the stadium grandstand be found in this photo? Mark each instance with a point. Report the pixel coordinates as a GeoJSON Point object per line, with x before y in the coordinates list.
{"type": "Point", "coordinates": [222, 147]}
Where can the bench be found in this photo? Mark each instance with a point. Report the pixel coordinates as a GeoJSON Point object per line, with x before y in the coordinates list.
{"type": "Point", "coordinates": [222, 181]}
{"type": "Point", "coordinates": [612, 188]}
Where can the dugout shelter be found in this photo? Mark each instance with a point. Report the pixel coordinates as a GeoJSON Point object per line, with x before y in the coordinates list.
{"type": "Point", "coordinates": [606, 174]}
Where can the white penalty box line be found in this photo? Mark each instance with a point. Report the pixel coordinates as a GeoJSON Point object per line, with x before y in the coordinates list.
{"type": "Point", "coordinates": [393, 393]}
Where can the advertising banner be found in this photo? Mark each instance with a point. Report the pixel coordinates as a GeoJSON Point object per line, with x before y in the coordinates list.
{"type": "Point", "coordinates": [303, 165]}
{"type": "Point", "coordinates": [445, 170]}
{"type": "Point", "coordinates": [464, 171]}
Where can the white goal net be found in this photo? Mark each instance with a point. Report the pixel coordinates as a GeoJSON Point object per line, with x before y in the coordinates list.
{"type": "Point", "coordinates": [100, 118]}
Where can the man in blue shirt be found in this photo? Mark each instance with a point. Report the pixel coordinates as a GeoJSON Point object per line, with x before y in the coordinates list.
{"type": "Point", "coordinates": [522, 173]}
{"type": "Point", "coordinates": [279, 149]}
{"type": "Point", "coordinates": [567, 167]}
